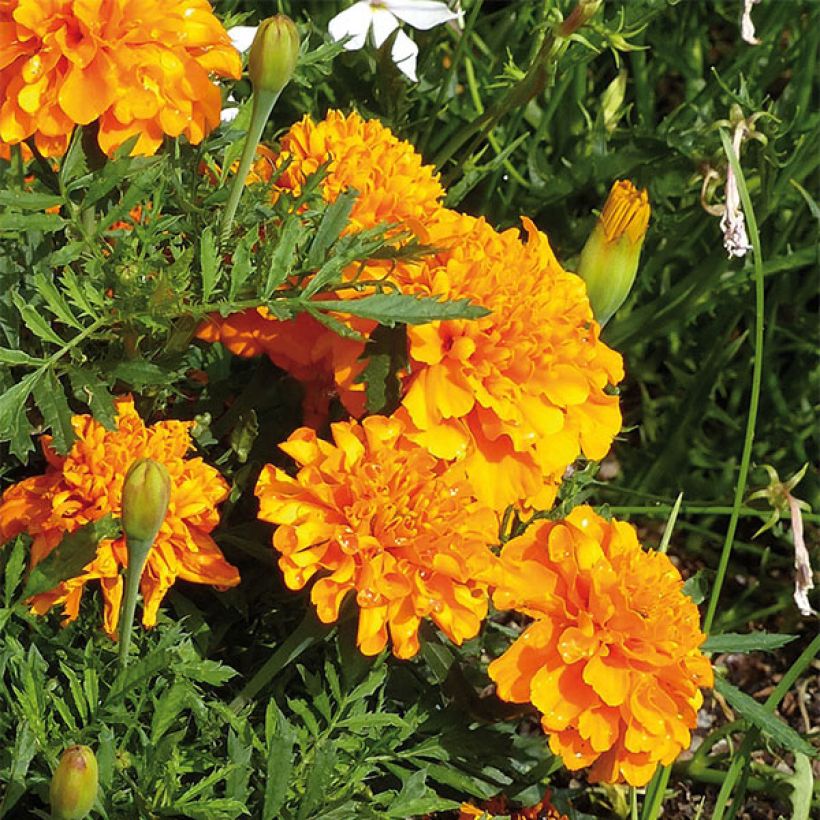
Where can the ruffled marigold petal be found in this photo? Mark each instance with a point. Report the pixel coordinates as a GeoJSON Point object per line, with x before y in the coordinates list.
{"type": "Point", "coordinates": [86, 485]}
{"type": "Point", "coordinates": [377, 514]}
{"type": "Point", "coordinates": [617, 680]}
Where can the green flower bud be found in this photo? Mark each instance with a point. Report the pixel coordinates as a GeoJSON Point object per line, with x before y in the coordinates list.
{"type": "Point", "coordinates": [609, 260]}
{"type": "Point", "coordinates": [145, 496]}
{"type": "Point", "coordinates": [274, 53]}
{"type": "Point", "coordinates": [74, 784]}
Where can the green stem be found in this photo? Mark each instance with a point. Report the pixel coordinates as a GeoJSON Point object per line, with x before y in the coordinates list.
{"type": "Point", "coordinates": [263, 102]}
{"type": "Point", "coordinates": [754, 398]}
{"type": "Point", "coordinates": [740, 761]}
{"type": "Point", "coordinates": [137, 556]}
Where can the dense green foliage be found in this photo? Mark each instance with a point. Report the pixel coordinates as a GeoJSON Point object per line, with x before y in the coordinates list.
{"type": "Point", "coordinates": [241, 706]}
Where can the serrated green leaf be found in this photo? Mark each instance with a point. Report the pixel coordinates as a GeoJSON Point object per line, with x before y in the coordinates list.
{"type": "Point", "coordinates": [91, 391]}
{"type": "Point", "coordinates": [14, 567]}
{"type": "Point", "coordinates": [29, 200]}
{"type": "Point", "coordinates": [14, 426]}
{"type": "Point", "coordinates": [51, 401]}
{"type": "Point", "coordinates": [83, 296]}
{"type": "Point", "coordinates": [334, 221]}
{"type": "Point", "coordinates": [318, 778]}
{"type": "Point", "coordinates": [802, 783]}
{"type": "Point", "coordinates": [140, 373]}
{"type": "Point", "coordinates": [391, 309]}
{"type": "Point", "coordinates": [169, 705]}
{"type": "Point", "coordinates": [697, 587]}
{"type": "Point", "coordinates": [35, 322]}
{"type": "Point", "coordinates": [280, 737]}
{"type": "Point", "coordinates": [386, 355]}
{"type": "Point", "coordinates": [283, 257]}
{"type": "Point", "coordinates": [753, 642]}
{"type": "Point", "coordinates": [74, 163]}
{"type": "Point", "coordinates": [70, 556]}
{"type": "Point", "coordinates": [209, 262]}
{"type": "Point", "coordinates": [18, 357]}
{"type": "Point", "coordinates": [54, 301]}
{"type": "Point", "coordinates": [416, 797]}
{"type": "Point", "coordinates": [242, 267]}
{"type": "Point", "coordinates": [781, 733]}
{"type": "Point", "coordinates": [16, 222]}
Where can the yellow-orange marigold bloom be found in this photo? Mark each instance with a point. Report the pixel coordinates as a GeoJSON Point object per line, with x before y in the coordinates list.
{"type": "Point", "coordinates": [519, 394]}
{"type": "Point", "coordinates": [542, 810]}
{"type": "Point", "coordinates": [86, 484]}
{"type": "Point", "coordinates": [394, 187]}
{"type": "Point", "coordinates": [612, 659]}
{"type": "Point", "coordinates": [136, 66]}
{"type": "Point", "coordinates": [377, 515]}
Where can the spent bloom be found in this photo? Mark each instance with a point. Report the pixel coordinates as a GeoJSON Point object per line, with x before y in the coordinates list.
{"type": "Point", "coordinates": [86, 484]}
{"type": "Point", "coordinates": [609, 260]}
{"type": "Point", "coordinates": [138, 67]}
{"type": "Point", "coordinates": [517, 395]}
{"type": "Point", "coordinates": [611, 659]}
{"type": "Point", "coordinates": [394, 187]}
{"type": "Point", "coordinates": [384, 17]}
{"type": "Point", "coordinates": [375, 515]}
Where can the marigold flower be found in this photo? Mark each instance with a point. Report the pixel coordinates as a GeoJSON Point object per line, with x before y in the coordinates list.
{"type": "Point", "coordinates": [393, 186]}
{"type": "Point", "coordinates": [612, 659]}
{"type": "Point", "coordinates": [542, 810]}
{"type": "Point", "coordinates": [377, 515]}
{"type": "Point", "coordinates": [136, 66]}
{"type": "Point", "coordinates": [519, 394]}
{"type": "Point", "coordinates": [86, 485]}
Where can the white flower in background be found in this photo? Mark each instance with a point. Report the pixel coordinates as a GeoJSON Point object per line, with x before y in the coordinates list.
{"type": "Point", "coordinates": [242, 37]}
{"type": "Point", "coordinates": [384, 17]}
{"type": "Point", "coordinates": [747, 27]}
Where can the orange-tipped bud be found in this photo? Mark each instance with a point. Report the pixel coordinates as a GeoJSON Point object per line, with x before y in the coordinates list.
{"type": "Point", "coordinates": [609, 260]}
{"type": "Point", "coordinates": [74, 784]}
{"type": "Point", "coordinates": [274, 53]}
{"type": "Point", "coordinates": [145, 496]}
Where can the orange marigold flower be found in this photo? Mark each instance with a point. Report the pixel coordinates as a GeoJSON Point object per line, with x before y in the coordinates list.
{"type": "Point", "coordinates": [542, 810]}
{"type": "Point", "coordinates": [612, 659]}
{"type": "Point", "coordinates": [86, 485]}
{"type": "Point", "coordinates": [377, 515]}
{"type": "Point", "coordinates": [136, 66]}
{"type": "Point", "coordinates": [394, 187]}
{"type": "Point", "coordinates": [519, 394]}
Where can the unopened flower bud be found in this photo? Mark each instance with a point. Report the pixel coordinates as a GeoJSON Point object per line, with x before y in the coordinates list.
{"type": "Point", "coordinates": [74, 784]}
{"type": "Point", "coordinates": [145, 496]}
{"type": "Point", "coordinates": [274, 53]}
{"type": "Point", "coordinates": [609, 260]}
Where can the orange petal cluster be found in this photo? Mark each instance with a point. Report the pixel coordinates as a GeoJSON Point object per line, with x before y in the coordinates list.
{"type": "Point", "coordinates": [612, 658]}
{"type": "Point", "coordinates": [519, 394]}
{"type": "Point", "coordinates": [376, 515]}
{"type": "Point", "coordinates": [136, 66]}
{"type": "Point", "coordinates": [542, 810]}
{"type": "Point", "coordinates": [394, 187]}
{"type": "Point", "coordinates": [86, 485]}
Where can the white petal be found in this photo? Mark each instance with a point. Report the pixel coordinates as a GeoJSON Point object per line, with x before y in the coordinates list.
{"type": "Point", "coordinates": [404, 55]}
{"type": "Point", "coordinates": [229, 114]}
{"type": "Point", "coordinates": [354, 21]}
{"type": "Point", "coordinates": [421, 14]}
{"type": "Point", "coordinates": [384, 24]}
{"type": "Point", "coordinates": [242, 37]}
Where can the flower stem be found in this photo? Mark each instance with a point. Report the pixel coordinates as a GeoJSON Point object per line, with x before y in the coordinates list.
{"type": "Point", "coordinates": [754, 398]}
{"type": "Point", "coordinates": [263, 102]}
{"type": "Point", "coordinates": [137, 556]}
